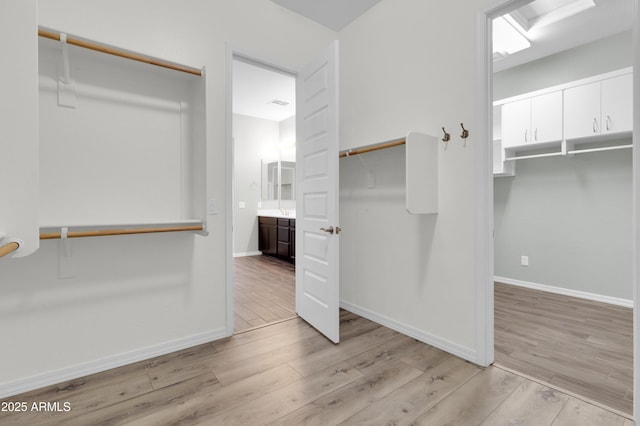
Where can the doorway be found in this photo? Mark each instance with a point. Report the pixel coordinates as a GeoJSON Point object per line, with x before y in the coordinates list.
{"type": "Point", "coordinates": [263, 122]}
{"type": "Point", "coordinates": [540, 179]}
{"type": "Point", "coordinates": [316, 241]}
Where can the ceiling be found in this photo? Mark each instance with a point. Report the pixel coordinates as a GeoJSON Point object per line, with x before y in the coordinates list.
{"type": "Point", "coordinates": [255, 88]}
{"type": "Point", "coordinates": [333, 14]}
{"type": "Point", "coordinates": [607, 18]}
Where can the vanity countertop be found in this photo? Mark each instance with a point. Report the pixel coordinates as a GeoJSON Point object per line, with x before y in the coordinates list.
{"type": "Point", "coordinates": [287, 214]}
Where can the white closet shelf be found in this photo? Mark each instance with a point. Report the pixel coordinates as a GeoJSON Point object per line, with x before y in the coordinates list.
{"type": "Point", "coordinates": [421, 160]}
{"type": "Point", "coordinates": [50, 232]}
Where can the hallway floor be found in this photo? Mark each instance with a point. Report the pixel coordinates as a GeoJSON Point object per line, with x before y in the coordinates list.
{"type": "Point", "coordinates": [263, 291]}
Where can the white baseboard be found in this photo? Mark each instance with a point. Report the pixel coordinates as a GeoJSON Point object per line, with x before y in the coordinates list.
{"type": "Point", "coordinates": [250, 253]}
{"type": "Point", "coordinates": [97, 366]}
{"type": "Point", "coordinates": [567, 292]}
{"type": "Point", "coordinates": [430, 339]}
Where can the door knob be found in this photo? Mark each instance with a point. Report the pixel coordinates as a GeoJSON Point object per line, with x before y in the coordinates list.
{"type": "Point", "coordinates": [328, 230]}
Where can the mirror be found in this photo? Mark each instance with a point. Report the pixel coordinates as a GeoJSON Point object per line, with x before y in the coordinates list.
{"type": "Point", "coordinates": [288, 180]}
{"type": "Point", "coordinates": [278, 180]}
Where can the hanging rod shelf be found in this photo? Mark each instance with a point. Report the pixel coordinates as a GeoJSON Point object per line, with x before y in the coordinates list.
{"type": "Point", "coordinates": [384, 145]}
{"type": "Point", "coordinates": [526, 157]}
{"type": "Point", "coordinates": [9, 248]}
{"type": "Point", "coordinates": [48, 233]}
{"type": "Point", "coordinates": [606, 148]}
{"type": "Point", "coordinates": [55, 35]}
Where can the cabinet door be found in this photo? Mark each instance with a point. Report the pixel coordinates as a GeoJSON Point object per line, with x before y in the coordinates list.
{"type": "Point", "coordinates": [582, 111]}
{"type": "Point", "coordinates": [546, 118]}
{"type": "Point", "coordinates": [267, 235]}
{"type": "Point", "coordinates": [292, 239]}
{"type": "Point", "coordinates": [516, 122]}
{"type": "Point", "coordinates": [617, 104]}
{"type": "Point", "coordinates": [283, 238]}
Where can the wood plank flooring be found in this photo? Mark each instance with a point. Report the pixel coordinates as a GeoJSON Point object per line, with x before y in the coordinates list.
{"type": "Point", "coordinates": [579, 345]}
{"type": "Point", "coordinates": [288, 374]}
{"type": "Point", "coordinates": [264, 291]}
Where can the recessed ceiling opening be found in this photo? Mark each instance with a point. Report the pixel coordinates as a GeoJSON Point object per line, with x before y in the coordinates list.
{"type": "Point", "coordinates": [518, 30]}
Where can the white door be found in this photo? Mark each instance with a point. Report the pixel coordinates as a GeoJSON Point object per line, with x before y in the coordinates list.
{"type": "Point", "coordinates": [317, 289]}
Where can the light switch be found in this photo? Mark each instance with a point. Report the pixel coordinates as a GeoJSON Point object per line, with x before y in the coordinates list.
{"type": "Point", "coordinates": [242, 205]}
{"type": "Point", "coordinates": [213, 206]}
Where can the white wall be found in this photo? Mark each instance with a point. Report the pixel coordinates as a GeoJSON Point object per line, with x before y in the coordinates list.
{"type": "Point", "coordinates": [139, 295]}
{"type": "Point", "coordinates": [19, 126]}
{"type": "Point", "coordinates": [255, 139]}
{"type": "Point", "coordinates": [410, 65]}
{"type": "Point", "coordinates": [608, 54]}
{"type": "Point", "coordinates": [571, 216]}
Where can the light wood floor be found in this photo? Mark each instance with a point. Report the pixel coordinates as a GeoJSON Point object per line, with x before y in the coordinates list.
{"type": "Point", "coordinates": [582, 346]}
{"type": "Point", "coordinates": [263, 291]}
{"type": "Point", "coordinates": [288, 374]}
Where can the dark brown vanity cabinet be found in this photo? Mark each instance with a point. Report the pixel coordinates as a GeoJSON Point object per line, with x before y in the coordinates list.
{"type": "Point", "coordinates": [276, 237]}
{"type": "Point", "coordinates": [268, 235]}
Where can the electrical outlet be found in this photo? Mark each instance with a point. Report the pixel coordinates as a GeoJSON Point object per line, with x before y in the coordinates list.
{"type": "Point", "coordinates": [524, 260]}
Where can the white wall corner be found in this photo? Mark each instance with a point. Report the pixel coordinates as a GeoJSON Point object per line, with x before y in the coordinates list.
{"type": "Point", "coordinates": [425, 337]}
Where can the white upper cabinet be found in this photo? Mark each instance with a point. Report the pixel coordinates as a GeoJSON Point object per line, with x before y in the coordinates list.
{"type": "Point", "coordinates": [582, 111]}
{"type": "Point", "coordinates": [560, 117]}
{"type": "Point", "coordinates": [599, 108]}
{"type": "Point", "coordinates": [532, 120]}
{"type": "Point", "coordinates": [546, 118]}
{"type": "Point", "coordinates": [617, 104]}
{"type": "Point", "coordinates": [516, 123]}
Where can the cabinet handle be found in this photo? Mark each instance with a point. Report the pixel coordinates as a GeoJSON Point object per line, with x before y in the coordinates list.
{"type": "Point", "coordinates": [608, 122]}
{"type": "Point", "coordinates": [595, 125]}
{"type": "Point", "coordinates": [525, 135]}
{"type": "Point", "coordinates": [328, 230]}
{"type": "Point", "coordinates": [535, 134]}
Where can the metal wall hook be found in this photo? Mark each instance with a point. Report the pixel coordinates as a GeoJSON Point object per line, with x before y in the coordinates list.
{"type": "Point", "coordinates": [465, 132]}
{"type": "Point", "coordinates": [447, 136]}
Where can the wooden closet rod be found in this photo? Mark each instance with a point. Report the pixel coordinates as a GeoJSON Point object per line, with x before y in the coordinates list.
{"type": "Point", "coordinates": [109, 232]}
{"type": "Point", "coordinates": [9, 248]}
{"type": "Point", "coordinates": [55, 35]}
{"type": "Point", "coordinates": [383, 145]}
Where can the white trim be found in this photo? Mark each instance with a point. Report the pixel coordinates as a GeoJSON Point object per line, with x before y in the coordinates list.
{"type": "Point", "coordinates": [229, 186]}
{"type": "Point", "coordinates": [484, 197]}
{"type": "Point", "coordinates": [99, 365]}
{"type": "Point", "coordinates": [627, 303]}
{"type": "Point", "coordinates": [249, 253]}
{"type": "Point", "coordinates": [635, 277]}
{"type": "Point", "coordinates": [430, 339]}
{"type": "Point", "coordinates": [484, 180]}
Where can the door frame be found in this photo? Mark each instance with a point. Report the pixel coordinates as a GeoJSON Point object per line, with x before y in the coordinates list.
{"type": "Point", "coordinates": [484, 190]}
{"type": "Point", "coordinates": [230, 54]}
